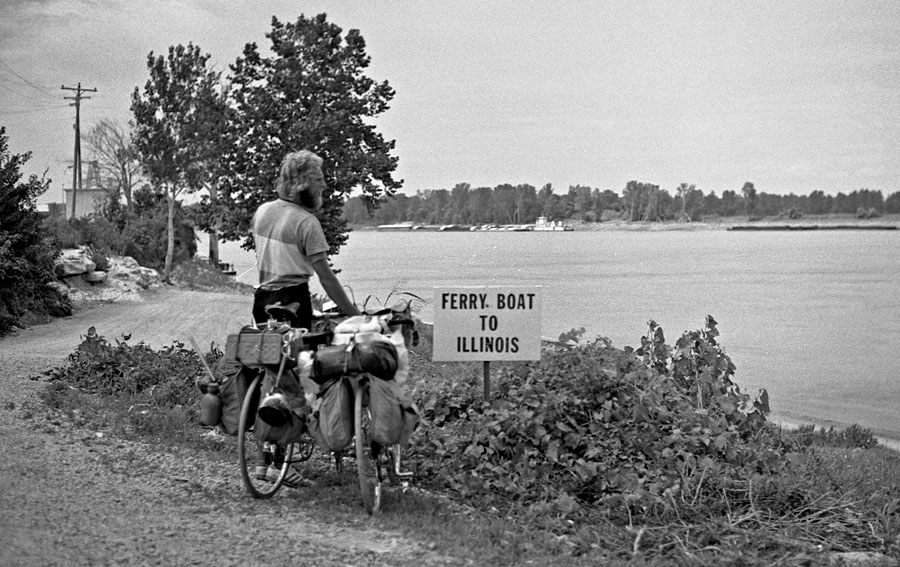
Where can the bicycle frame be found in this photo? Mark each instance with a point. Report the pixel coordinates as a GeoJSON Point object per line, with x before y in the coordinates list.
{"type": "Point", "coordinates": [372, 460]}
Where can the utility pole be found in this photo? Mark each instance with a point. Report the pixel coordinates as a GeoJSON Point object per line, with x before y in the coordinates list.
{"type": "Point", "coordinates": [76, 169]}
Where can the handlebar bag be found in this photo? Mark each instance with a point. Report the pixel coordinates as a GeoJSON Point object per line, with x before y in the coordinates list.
{"type": "Point", "coordinates": [254, 347]}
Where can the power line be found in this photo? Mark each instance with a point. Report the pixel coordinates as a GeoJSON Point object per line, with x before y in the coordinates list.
{"type": "Point", "coordinates": [38, 88]}
{"type": "Point", "coordinates": [76, 171]}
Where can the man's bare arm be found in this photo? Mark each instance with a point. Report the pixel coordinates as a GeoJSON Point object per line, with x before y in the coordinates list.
{"type": "Point", "coordinates": [333, 287]}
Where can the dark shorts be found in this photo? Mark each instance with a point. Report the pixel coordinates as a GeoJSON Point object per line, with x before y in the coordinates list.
{"type": "Point", "coordinates": [286, 295]}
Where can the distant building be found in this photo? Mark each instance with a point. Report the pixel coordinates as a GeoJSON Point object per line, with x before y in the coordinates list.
{"type": "Point", "coordinates": [88, 198]}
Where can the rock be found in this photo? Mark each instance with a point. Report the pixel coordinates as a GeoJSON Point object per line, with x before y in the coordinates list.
{"type": "Point", "coordinates": [127, 263]}
{"type": "Point", "coordinates": [94, 276]}
{"type": "Point", "coordinates": [73, 263]}
{"type": "Point", "coordinates": [62, 288]}
{"type": "Point", "coordinates": [122, 281]}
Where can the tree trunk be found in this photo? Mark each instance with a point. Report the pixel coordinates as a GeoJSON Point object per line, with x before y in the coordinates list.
{"type": "Point", "coordinates": [213, 233]}
{"type": "Point", "coordinates": [170, 231]}
{"type": "Point", "coordinates": [126, 188]}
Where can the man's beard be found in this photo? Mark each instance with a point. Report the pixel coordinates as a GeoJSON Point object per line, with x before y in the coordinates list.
{"type": "Point", "coordinates": [307, 200]}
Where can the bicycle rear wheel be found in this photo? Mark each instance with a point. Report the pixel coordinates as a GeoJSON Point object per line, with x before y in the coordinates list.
{"type": "Point", "coordinates": [256, 456]}
{"type": "Point", "coordinates": [369, 478]}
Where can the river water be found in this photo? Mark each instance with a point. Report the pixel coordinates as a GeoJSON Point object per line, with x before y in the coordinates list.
{"type": "Point", "coordinates": [812, 316]}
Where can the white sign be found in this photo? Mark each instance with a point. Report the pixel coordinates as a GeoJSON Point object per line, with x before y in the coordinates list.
{"type": "Point", "coordinates": [487, 323]}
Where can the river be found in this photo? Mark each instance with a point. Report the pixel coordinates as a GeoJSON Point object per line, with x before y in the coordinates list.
{"type": "Point", "coordinates": [812, 316]}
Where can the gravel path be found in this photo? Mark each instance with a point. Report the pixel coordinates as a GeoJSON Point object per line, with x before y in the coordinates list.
{"type": "Point", "coordinates": [71, 496]}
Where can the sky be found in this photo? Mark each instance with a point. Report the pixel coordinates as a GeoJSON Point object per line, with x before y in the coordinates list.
{"type": "Point", "coordinates": [792, 96]}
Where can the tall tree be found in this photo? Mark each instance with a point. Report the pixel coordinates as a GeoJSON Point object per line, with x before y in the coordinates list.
{"type": "Point", "coordinates": [459, 196]}
{"type": "Point", "coordinates": [311, 93]}
{"type": "Point", "coordinates": [527, 206]}
{"type": "Point", "coordinates": [580, 201]}
{"type": "Point", "coordinates": [728, 203]}
{"type": "Point", "coordinates": [479, 205]}
{"type": "Point", "coordinates": [750, 196]}
{"type": "Point", "coordinates": [26, 253]}
{"type": "Point", "coordinates": [503, 204]}
{"type": "Point", "coordinates": [173, 119]}
{"type": "Point", "coordinates": [690, 201]}
{"type": "Point", "coordinates": [111, 146]}
{"type": "Point", "coordinates": [548, 200]}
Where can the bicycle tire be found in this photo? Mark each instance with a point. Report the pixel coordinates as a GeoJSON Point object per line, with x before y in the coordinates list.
{"type": "Point", "coordinates": [369, 478]}
{"type": "Point", "coordinates": [249, 449]}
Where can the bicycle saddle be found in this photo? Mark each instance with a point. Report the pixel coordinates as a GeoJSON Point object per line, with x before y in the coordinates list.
{"type": "Point", "coordinates": [283, 312]}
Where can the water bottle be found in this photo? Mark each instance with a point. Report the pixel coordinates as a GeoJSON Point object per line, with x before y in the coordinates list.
{"type": "Point", "coordinates": [211, 406]}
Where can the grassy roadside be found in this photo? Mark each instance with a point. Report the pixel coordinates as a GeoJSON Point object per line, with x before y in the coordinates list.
{"type": "Point", "coordinates": [781, 498]}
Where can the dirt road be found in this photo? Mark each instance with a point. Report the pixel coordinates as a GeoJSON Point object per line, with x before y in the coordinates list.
{"type": "Point", "coordinates": [71, 496]}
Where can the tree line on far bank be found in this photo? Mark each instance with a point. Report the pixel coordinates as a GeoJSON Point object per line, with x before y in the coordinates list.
{"type": "Point", "coordinates": [523, 204]}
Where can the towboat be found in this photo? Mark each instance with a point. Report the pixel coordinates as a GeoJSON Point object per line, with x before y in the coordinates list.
{"type": "Point", "coordinates": [543, 225]}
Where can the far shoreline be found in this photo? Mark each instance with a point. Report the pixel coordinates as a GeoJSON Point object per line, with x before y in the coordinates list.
{"type": "Point", "coordinates": [889, 440]}
{"type": "Point", "coordinates": [739, 223]}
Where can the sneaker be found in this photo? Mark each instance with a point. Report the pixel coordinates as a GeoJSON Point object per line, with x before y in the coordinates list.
{"type": "Point", "coordinates": [261, 472]}
{"type": "Point", "coordinates": [292, 479]}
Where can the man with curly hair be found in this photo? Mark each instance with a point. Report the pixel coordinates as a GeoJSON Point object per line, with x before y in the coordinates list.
{"type": "Point", "coordinates": [290, 249]}
{"type": "Point", "coordinates": [290, 242]}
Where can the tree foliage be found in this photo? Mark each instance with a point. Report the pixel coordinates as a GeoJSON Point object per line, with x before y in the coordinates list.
{"type": "Point", "coordinates": [26, 254]}
{"type": "Point", "coordinates": [177, 118]}
{"type": "Point", "coordinates": [111, 146]}
{"type": "Point", "coordinates": [311, 93]}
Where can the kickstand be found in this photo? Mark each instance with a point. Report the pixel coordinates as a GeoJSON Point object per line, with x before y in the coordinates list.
{"type": "Point", "coordinates": [395, 453]}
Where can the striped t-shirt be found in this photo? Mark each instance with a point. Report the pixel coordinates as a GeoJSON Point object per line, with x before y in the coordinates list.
{"type": "Point", "coordinates": [288, 239]}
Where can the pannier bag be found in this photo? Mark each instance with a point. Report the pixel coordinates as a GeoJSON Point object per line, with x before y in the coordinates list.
{"type": "Point", "coordinates": [364, 328]}
{"type": "Point", "coordinates": [332, 424]}
{"type": "Point", "coordinates": [377, 357]}
{"type": "Point", "coordinates": [329, 362]}
{"type": "Point", "coordinates": [394, 416]}
{"type": "Point", "coordinates": [255, 347]}
{"type": "Point", "coordinates": [232, 391]}
{"type": "Point", "coordinates": [291, 428]}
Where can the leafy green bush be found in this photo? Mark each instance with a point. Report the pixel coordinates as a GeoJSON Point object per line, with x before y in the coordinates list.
{"type": "Point", "coordinates": [26, 255]}
{"type": "Point", "coordinates": [592, 422]}
{"type": "Point", "coordinates": [159, 379]}
{"type": "Point", "coordinates": [651, 453]}
{"type": "Point", "coordinates": [147, 231]}
{"type": "Point", "coordinates": [140, 234]}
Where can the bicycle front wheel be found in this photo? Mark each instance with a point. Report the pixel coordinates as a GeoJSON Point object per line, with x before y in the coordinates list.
{"type": "Point", "coordinates": [263, 465]}
{"type": "Point", "coordinates": [369, 481]}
